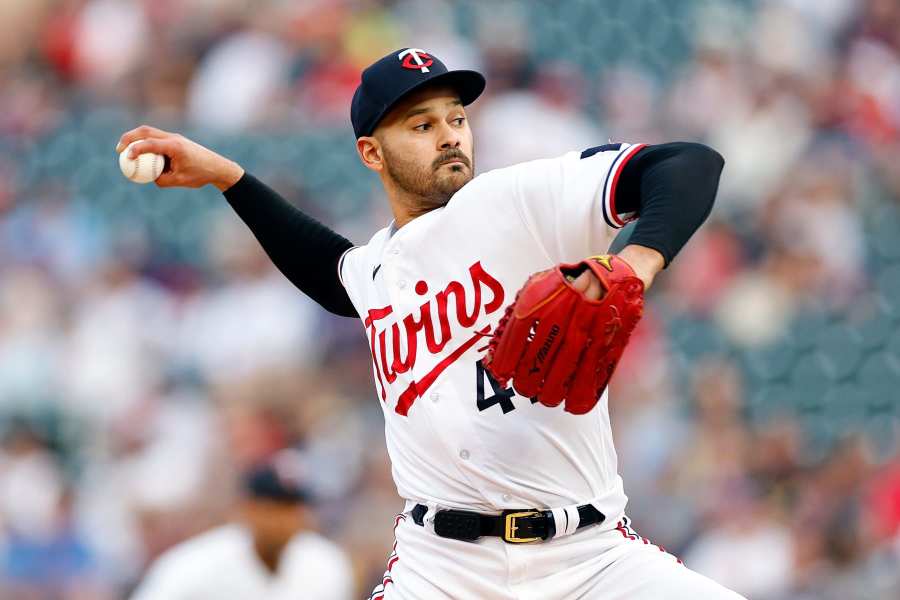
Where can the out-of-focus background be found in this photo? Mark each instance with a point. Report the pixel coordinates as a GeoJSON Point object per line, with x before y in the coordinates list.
{"type": "Point", "coordinates": [149, 351]}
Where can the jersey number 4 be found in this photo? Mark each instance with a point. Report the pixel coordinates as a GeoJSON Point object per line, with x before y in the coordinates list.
{"type": "Point", "coordinates": [501, 396]}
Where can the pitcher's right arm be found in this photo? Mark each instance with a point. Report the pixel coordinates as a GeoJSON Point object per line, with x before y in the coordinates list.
{"type": "Point", "coordinates": [304, 250]}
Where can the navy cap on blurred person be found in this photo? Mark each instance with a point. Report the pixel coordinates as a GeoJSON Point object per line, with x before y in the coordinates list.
{"type": "Point", "coordinates": [282, 479]}
{"type": "Point", "coordinates": [394, 76]}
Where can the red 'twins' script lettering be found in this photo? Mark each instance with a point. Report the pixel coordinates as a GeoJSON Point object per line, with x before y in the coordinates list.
{"type": "Point", "coordinates": [387, 342]}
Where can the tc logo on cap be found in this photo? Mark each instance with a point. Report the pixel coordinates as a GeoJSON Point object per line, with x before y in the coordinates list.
{"type": "Point", "coordinates": [415, 58]}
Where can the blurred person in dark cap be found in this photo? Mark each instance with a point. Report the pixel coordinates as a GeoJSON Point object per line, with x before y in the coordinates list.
{"type": "Point", "coordinates": [267, 552]}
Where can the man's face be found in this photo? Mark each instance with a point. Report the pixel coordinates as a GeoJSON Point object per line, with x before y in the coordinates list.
{"type": "Point", "coordinates": [427, 145]}
{"type": "Point", "coordinates": [273, 523]}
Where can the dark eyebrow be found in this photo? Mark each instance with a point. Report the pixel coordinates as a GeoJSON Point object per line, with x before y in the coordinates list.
{"type": "Point", "coordinates": [418, 111]}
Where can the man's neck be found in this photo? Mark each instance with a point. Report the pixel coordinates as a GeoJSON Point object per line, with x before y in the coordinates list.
{"type": "Point", "coordinates": [406, 206]}
{"type": "Point", "coordinates": [269, 556]}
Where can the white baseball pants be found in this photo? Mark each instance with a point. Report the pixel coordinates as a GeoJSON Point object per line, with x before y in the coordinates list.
{"type": "Point", "coordinates": [598, 562]}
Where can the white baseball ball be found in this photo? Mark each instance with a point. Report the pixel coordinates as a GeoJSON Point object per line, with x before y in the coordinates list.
{"type": "Point", "coordinates": [143, 169]}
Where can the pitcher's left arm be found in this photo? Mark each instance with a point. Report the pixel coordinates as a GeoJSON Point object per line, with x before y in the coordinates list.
{"type": "Point", "coordinates": [670, 189]}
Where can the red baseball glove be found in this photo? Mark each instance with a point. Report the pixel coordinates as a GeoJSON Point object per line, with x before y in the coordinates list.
{"type": "Point", "coordinates": [559, 346]}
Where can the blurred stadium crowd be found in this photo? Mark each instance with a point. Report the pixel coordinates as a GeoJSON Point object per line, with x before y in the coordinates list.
{"type": "Point", "coordinates": [149, 352]}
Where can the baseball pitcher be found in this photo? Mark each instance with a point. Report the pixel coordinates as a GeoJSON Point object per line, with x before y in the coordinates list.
{"type": "Point", "coordinates": [495, 318]}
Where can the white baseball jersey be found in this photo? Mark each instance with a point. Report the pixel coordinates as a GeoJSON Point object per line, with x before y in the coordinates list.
{"type": "Point", "coordinates": [428, 293]}
{"type": "Point", "coordinates": [222, 564]}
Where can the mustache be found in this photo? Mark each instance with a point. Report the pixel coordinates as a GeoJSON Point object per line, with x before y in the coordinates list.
{"type": "Point", "coordinates": [454, 154]}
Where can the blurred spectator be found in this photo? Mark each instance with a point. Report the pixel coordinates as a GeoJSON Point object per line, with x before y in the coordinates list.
{"type": "Point", "coordinates": [122, 322]}
{"type": "Point", "coordinates": [275, 325]}
{"type": "Point", "coordinates": [745, 548]}
{"type": "Point", "coordinates": [110, 38]}
{"type": "Point", "coordinates": [538, 121]}
{"type": "Point", "coordinates": [237, 81]}
{"type": "Point", "coordinates": [32, 484]}
{"type": "Point", "coordinates": [44, 554]}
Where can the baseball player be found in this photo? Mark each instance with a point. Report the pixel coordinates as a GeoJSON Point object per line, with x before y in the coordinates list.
{"type": "Point", "coordinates": [505, 460]}
{"type": "Point", "coordinates": [265, 554]}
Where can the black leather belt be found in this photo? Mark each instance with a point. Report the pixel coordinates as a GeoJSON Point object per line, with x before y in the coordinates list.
{"type": "Point", "coordinates": [513, 526]}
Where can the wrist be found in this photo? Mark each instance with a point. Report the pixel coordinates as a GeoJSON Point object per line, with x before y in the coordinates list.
{"type": "Point", "coordinates": [229, 175]}
{"type": "Point", "coordinates": [646, 262]}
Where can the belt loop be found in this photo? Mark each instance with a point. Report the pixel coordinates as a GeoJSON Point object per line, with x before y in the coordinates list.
{"type": "Point", "coordinates": [566, 520]}
{"type": "Point", "coordinates": [428, 517]}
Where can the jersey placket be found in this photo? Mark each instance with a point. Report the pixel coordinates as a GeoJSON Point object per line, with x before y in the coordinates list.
{"type": "Point", "coordinates": [438, 404]}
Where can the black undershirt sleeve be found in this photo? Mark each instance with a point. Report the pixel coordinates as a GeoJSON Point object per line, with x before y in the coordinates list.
{"type": "Point", "coordinates": [671, 187]}
{"type": "Point", "coordinates": [306, 251]}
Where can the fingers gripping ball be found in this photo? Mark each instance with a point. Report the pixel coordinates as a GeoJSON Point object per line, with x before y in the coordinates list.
{"type": "Point", "coordinates": [142, 169]}
{"type": "Point", "coordinates": [560, 347]}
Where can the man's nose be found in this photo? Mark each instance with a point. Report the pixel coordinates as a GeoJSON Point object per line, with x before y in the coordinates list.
{"type": "Point", "coordinates": [450, 138]}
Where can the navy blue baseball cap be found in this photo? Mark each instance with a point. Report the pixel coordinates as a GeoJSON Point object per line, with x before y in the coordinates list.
{"type": "Point", "coordinates": [391, 78]}
{"type": "Point", "coordinates": [283, 478]}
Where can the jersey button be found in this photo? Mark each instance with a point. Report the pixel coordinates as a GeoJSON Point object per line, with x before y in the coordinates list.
{"type": "Point", "coordinates": [435, 396]}
{"type": "Point", "coordinates": [464, 454]}
{"type": "Point", "coordinates": [395, 251]}
{"type": "Point", "coordinates": [507, 497]}
{"type": "Point", "coordinates": [401, 284]}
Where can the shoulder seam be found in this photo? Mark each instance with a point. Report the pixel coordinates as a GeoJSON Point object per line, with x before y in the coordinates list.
{"type": "Point", "coordinates": [608, 199]}
{"type": "Point", "coordinates": [340, 265]}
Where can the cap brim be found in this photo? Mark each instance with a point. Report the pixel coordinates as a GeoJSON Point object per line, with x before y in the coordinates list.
{"type": "Point", "coordinates": [468, 84]}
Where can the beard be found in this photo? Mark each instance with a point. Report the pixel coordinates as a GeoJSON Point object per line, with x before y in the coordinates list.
{"type": "Point", "coordinates": [433, 184]}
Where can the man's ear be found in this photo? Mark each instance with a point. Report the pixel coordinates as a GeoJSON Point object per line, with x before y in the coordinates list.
{"type": "Point", "coordinates": [370, 153]}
